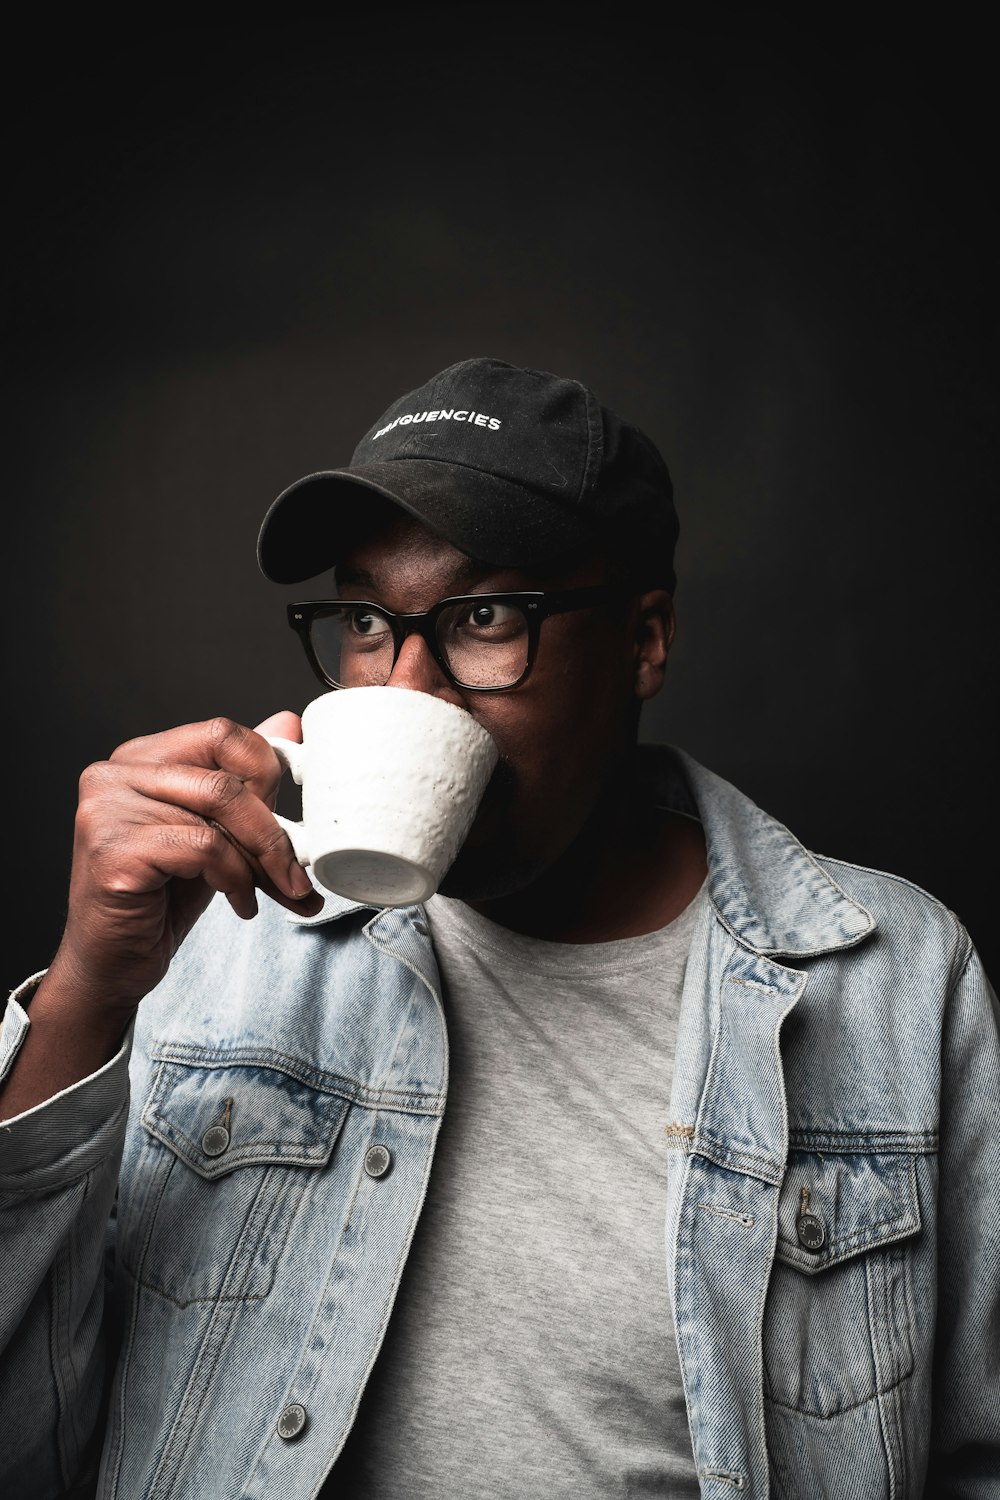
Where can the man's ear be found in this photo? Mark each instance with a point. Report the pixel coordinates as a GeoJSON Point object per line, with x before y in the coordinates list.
{"type": "Point", "coordinates": [654, 633]}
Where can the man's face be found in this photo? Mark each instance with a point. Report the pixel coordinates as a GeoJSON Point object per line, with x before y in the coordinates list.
{"type": "Point", "coordinates": [562, 734]}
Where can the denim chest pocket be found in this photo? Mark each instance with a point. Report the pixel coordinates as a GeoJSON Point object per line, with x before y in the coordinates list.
{"type": "Point", "coordinates": [224, 1163]}
{"type": "Point", "coordinates": [839, 1306]}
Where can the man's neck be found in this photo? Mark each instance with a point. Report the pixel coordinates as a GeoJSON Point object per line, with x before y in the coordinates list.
{"type": "Point", "coordinates": [632, 869]}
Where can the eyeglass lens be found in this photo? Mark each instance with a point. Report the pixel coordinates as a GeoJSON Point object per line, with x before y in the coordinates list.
{"type": "Point", "coordinates": [483, 642]}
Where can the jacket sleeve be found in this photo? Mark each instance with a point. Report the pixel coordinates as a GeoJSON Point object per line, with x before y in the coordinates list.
{"type": "Point", "coordinates": [965, 1440]}
{"type": "Point", "coordinates": [58, 1178]}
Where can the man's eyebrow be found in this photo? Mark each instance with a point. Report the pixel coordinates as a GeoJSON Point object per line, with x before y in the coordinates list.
{"type": "Point", "coordinates": [472, 571]}
{"type": "Point", "coordinates": [468, 572]}
{"type": "Point", "coordinates": [356, 577]}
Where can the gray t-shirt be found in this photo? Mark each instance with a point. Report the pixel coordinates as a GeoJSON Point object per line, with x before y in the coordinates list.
{"type": "Point", "coordinates": [531, 1351]}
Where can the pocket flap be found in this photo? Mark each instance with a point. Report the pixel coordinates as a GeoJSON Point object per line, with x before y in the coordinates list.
{"type": "Point", "coordinates": [834, 1206]}
{"type": "Point", "coordinates": [222, 1117]}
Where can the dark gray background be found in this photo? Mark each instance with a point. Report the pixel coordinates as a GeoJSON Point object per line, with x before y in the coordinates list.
{"type": "Point", "coordinates": [771, 244]}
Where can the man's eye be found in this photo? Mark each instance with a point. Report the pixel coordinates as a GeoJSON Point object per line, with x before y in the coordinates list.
{"type": "Point", "coordinates": [367, 624]}
{"type": "Point", "coordinates": [492, 617]}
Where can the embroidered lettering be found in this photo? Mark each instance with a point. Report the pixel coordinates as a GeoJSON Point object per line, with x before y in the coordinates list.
{"type": "Point", "coordinates": [446, 414]}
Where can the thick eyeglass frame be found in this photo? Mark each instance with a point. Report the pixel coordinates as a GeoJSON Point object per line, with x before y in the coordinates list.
{"type": "Point", "coordinates": [537, 606]}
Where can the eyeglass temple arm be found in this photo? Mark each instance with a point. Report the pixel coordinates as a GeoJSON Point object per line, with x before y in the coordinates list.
{"type": "Point", "coordinates": [560, 601]}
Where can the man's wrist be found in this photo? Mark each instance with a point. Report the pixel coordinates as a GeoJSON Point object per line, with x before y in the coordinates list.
{"type": "Point", "coordinates": [68, 1038]}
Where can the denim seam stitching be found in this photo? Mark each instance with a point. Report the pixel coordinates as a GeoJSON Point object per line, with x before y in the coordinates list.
{"type": "Point", "coordinates": [747, 1220]}
{"type": "Point", "coordinates": [329, 1083]}
{"type": "Point", "coordinates": [851, 1244]}
{"type": "Point", "coordinates": [394, 1290]}
{"type": "Point", "coordinates": [172, 1459]}
{"type": "Point", "coordinates": [269, 1213]}
{"type": "Point", "coordinates": [753, 984]}
{"type": "Point", "coordinates": [210, 1350]}
{"type": "Point", "coordinates": [56, 1280]}
{"type": "Point", "coordinates": [116, 1449]}
{"type": "Point", "coordinates": [919, 1142]}
{"type": "Point", "coordinates": [76, 1375]}
{"type": "Point", "coordinates": [840, 1411]}
{"type": "Point", "coordinates": [704, 1143]}
{"type": "Point", "coordinates": [883, 1388]}
{"type": "Point", "coordinates": [152, 1286]}
{"type": "Point", "coordinates": [258, 1154]}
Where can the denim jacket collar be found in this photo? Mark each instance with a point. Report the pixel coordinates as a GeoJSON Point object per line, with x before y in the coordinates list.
{"type": "Point", "coordinates": [767, 890]}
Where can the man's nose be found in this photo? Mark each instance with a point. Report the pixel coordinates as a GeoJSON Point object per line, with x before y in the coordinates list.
{"type": "Point", "coordinates": [417, 670]}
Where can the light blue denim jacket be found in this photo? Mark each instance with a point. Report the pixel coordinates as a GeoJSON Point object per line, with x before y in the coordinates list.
{"type": "Point", "coordinates": [832, 1217]}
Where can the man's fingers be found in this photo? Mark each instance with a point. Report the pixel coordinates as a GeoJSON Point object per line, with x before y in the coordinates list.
{"type": "Point", "coordinates": [161, 794]}
{"type": "Point", "coordinates": [284, 724]}
{"type": "Point", "coordinates": [145, 857]}
{"type": "Point", "coordinates": [214, 743]}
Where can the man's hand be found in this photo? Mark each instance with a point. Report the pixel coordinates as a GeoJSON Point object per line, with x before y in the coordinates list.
{"type": "Point", "coordinates": [163, 825]}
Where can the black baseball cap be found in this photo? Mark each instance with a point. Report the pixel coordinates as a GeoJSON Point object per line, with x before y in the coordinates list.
{"type": "Point", "coordinates": [515, 467]}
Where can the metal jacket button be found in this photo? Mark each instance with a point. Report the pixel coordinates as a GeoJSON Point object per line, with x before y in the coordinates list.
{"type": "Point", "coordinates": [811, 1232]}
{"type": "Point", "coordinates": [215, 1140]}
{"type": "Point", "coordinates": [292, 1422]}
{"type": "Point", "coordinates": [378, 1160]}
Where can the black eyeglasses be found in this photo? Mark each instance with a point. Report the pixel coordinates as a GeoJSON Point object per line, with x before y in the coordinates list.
{"type": "Point", "coordinates": [485, 643]}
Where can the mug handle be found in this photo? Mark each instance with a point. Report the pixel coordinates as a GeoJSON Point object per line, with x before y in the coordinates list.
{"type": "Point", "coordinates": [289, 752]}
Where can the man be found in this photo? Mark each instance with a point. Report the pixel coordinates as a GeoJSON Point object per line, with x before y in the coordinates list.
{"type": "Point", "coordinates": [712, 1206]}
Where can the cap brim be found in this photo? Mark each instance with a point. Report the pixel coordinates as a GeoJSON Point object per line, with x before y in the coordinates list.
{"type": "Point", "coordinates": [312, 523]}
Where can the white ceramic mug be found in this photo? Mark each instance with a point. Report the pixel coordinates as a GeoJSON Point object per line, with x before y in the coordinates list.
{"type": "Point", "coordinates": [391, 781]}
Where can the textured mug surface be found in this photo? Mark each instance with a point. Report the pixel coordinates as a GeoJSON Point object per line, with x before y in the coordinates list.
{"type": "Point", "coordinates": [391, 781]}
